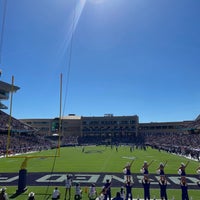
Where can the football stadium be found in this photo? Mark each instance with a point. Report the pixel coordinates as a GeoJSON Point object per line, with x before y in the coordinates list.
{"type": "Point", "coordinates": [97, 157]}
{"type": "Point", "coordinates": [101, 157]}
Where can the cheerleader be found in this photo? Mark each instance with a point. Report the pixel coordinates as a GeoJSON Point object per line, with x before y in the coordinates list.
{"type": "Point", "coordinates": [181, 170]}
{"type": "Point", "coordinates": [127, 170]}
{"type": "Point", "coordinates": [163, 188]}
{"type": "Point", "coordinates": [146, 186]}
{"type": "Point", "coordinates": [160, 169]}
{"type": "Point", "coordinates": [145, 168]}
{"type": "Point", "coordinates": [184, 190]}
{"type": "Point", "coordinates": [129, 187]}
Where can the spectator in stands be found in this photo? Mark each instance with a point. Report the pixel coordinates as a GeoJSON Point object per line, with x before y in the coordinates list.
{"type": "Point", "coordinates": [68, 185]}
{"type": "Point", "coordinates": [175, 143]}
{"type": "Point", "coordinates": [3, 194]}
{"type": "Point", "coordinates": [56, 194]}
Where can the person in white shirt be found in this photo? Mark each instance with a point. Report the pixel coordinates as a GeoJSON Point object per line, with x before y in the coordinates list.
{"type": "Point", "coordinates": [3, 194]}
{"type": "Point", "coordinates": [68, 185]}
{"type": "Point", "coordinates": [92, 194]}
{"type": "Point", "coordinates": [56, 194]}
{"type": "Point", "coordinates": [78, 192]}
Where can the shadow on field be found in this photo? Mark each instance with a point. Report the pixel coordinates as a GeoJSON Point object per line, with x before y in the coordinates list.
{"type": "Point", "coordinates": [13, 196]}
{"type": "Point", "coordinates": [16, 195]}
{"type": "Point", "coordinates": [94, 151]}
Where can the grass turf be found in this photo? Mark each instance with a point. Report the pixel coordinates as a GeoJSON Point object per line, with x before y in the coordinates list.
{"type": "Point", "coordinates": [97, 159]}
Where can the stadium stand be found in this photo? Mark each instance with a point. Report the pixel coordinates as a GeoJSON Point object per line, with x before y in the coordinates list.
{"type": "Point", "coordinates": [182, 144]}
{"type": "Point", "coordinates": [22, 137]}
{"type": "Point", "coordinates": [180, 138]}
{"type": "Point", "coordinates": [194, 127]}
{"type": "Point", "coordinates": [16, 125]}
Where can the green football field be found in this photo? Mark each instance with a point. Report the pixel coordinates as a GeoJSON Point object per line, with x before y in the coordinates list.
{"type": "Point", "coordinates": [96, 159]}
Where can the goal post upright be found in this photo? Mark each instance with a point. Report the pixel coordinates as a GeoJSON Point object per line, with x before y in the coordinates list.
{"type": "Point", "coordinates": [10, 118]}
{"type": "Point", "coordinates": [60, 116]}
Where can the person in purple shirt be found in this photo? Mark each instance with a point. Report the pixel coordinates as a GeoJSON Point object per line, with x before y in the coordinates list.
{"type": "Point", "coordinates": [184, 190]}
{"type": "Point", "coordinates": [163, 188]}
{"type": "Point", "coordinates": [107, 187]}
{"type": "Point", "coordinates": [128, 187]}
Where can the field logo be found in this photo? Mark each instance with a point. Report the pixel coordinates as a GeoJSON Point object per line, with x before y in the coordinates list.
{"type": "Point", "coordinates": [58, 179]}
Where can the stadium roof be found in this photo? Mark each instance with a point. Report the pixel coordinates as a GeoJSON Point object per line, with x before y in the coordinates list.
{"type": "Point", "coordinates": [198, 118]}
{"type": "Point", "coordinates": [5, 89]}
{"type": "Point", "coordinates": [2, 106]}
{"type": "Point", "coordinates": [8, 87]}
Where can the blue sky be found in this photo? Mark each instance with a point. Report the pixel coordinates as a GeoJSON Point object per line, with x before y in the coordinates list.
{"type": "Point", "coordinates": [127, 57]}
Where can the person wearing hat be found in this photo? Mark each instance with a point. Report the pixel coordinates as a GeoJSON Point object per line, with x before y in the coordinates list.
{"type": "Point", "coordinates": [31, 196]}
{"type": "Point", "coordinates": [3, 194]}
